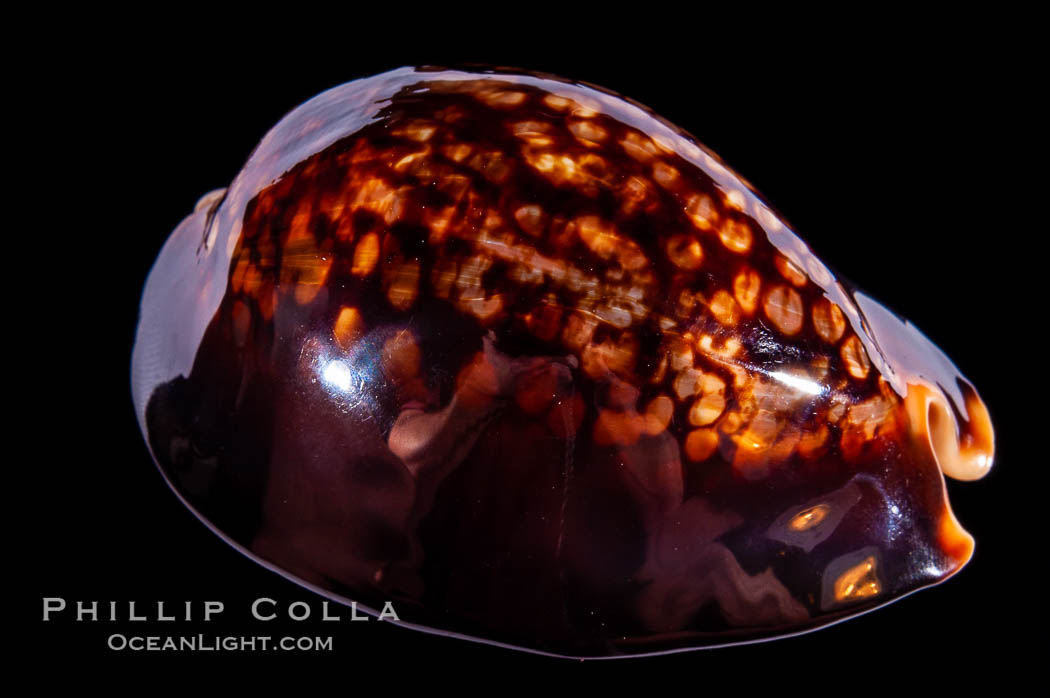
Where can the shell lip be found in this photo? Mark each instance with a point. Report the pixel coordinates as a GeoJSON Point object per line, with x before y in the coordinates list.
{"type": "Point", "coordinates": [963, 445]}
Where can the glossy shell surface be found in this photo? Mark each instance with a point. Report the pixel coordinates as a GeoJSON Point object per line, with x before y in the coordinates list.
{"type": "Point", "coordinates": [528, 362]}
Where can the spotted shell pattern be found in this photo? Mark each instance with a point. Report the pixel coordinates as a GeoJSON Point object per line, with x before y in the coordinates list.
{"type": "Point", "coordinates": [530, 363]}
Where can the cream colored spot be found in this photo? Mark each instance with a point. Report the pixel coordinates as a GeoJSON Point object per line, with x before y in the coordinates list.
{"type": "Point", "coordinates": [401, 165]}
{"type": "Point", "coordinates": [712, 402]}
{"type": "Point", "coordinates": [376, 196]}
{"type": "Point", "coordinates": [828, 321]}
{"type": "Point", "coordinates": [308, 289]}
{"type": "Point", "coordinates": [736, 236]}
{"type": "Point", "coordinates": [687, 383]}
{"type": "Point", "coordinates": [455, 185]}
{"type": "Point", "coordinates": [746, 287]}
{"type": "Point", "coordinates": [616, 356]}
{"type": "Point", "coordinates": [239, 272]}
{"type": "Point", "coordinates": [684, 307]}
{"type": "Point", "coordinates": [817, 271]}
{"type": "Point", "coordinates": [419, 131]}
{"type": "Point", "coordinates": [533, 132]}
{"type": "Point", "coordinates": [348, 327]}
{"type": "Point", "coordinates": [492, 164]}
{"type": "Point", "coordinates": [731, 423]}
{"type": "Point", "coordinates": [811, 442]}
{"type": "Point", "coordinates": [253, 279]}
{"type": "Point", "coordinates": [557, 102]}
{"type": "Point", "coordinates": [711, 383]}
{"type": "Point", "coordinates": [701, 211]}
{"type": "Point", "coordinates": [783, 307]}
{"type": "Point", "coordinates": [665, 175]}
{"type": "Point", "coordinates": [858, 582]}
{"type": "Point", "coordinates": [619, 428]}
{"type": "Point", "coordinates": [681, 355]}
{"type": "Point", "coordinates": [766, 218]}
{"type": "Point", "coordinates": [639, 147]}
{"type": "Point", "coordinates": [588, 132]}
{"type": "Point", "coordinates": [545, 322]}
{"type": "Point", "coordinates": [450, 114]}
{"type": "Point", "coordinates": [685, 252]}
{"type": "Point", "coordinates": [404, 285]}
{"type": "Point", "coordinates": [578, 331]}
{"type": "Point", "coordinates": [865, 417]}
{"type": "Point", "coordinates": [585, 108]}
{"type": "Point", "coordinates": [760, 433]}
{"type": "Point", "coordinates": [790, 271]}
{"type": "Point", "coordinates": [443, 276]}
{"type": "Point", "coordinates": [483, 308]}
{"type": "Point", "coordinates": [729, 348]}
{"type": "Point", "coordinates": [707, 409]}
{"type": "Point", "coordinates": [631, 257]}
{"type": "Point", "coordinates": [334, 202]}
{"type": "Point", "coordinates": [470, 274]}
{"type": "Point", "coordinates": [665, 143]}
{"type": "Point", "coordinates": [305, 264]}
{"type": "Point", "coordinates": [531, 219]}
{"type": "Point", "coordinates": [502, 99]}
{"type": "Point", "coordinates": [855, 358]}
{"type": "Point", "coordinates": [661, 371]}
{"type": "Point", "coordinates": [735, 199]}
{"type": "Point", "coordinates": [808, 518]}
{"type": "Point", "coordinates": [588, 171]}
{"type": "Point", "coordinates": [457, 152]}
{"type": "Point", "coordinates": [690, 150]}
{"type": "Point", "coordinates": [700, 444]}
{"type": "Point", "coordinates": [633, 193]}
{"type": "Point", "coordinates": [439, 220]}
{"type": "Point", "coordinates": [366, 254]}
{"type": "Point", "coordinates": [614, 315]}
{"type": "Point", "coordinates": [724, 308]}
{"type": "Point", "coordinates": [597, 235]}
{"type": "Point", "coordinates": [658, 415]}
{"type": "Point", "coordinates": [837, 409]}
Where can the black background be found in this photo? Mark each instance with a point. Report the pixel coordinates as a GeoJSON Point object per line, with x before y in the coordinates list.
{"type": "Point", "coordinates": [890, 146]}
